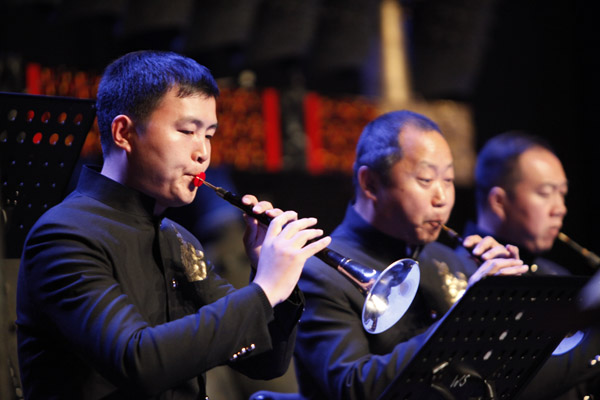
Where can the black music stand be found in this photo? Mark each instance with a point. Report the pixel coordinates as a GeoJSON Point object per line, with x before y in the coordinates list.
{"type": "Point", "coordinates": [40, 142]}
{"type": "Point", "coordinates": [493, 341]}
{"type": "Point", "coordinates": [588, 315]}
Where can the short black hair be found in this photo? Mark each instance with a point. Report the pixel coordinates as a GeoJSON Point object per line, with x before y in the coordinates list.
{"type": "Point", "coordinates": [378, 146]}
{"type": "Point", "coordinates": [497, 162]}
{"type": "Point", "coordinates": [135, 83]}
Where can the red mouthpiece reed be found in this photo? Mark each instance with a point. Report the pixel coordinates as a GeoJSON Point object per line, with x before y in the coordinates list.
{"type": "Point", "coordinates": [199, 179]}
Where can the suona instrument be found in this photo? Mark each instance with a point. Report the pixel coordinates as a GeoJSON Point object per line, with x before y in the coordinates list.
{"type": "Point", "coordinates": [459, 241]}
{"type": "Point", "coordinates": [592, 258]}
{"type": "Point", "coordinates": [388, 293]}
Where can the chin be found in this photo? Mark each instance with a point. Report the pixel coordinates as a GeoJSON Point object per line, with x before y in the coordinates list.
{"type": "Point", "coordinates": [425, 239]}
{"type": "Point", "coordinates": [432, 236]}
{"type": "Point", "coordinates": [186, 197]}
{"type": "Point", "coordinates": [543, 248]}
{"type": "Point", "coordinates": [184, 202]}
{"type": "Point", "coordinates": [180, 201]}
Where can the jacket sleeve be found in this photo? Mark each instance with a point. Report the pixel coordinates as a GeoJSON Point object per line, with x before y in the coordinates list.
{"type": "Point", "coordinates": [283, 330]}
{"type": "Point", "coordinates": [68, 286]}
{"type": "Point", "coordinates": [333, 355]}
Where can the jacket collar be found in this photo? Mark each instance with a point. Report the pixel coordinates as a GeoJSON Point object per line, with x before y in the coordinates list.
{"type": "Point", "coordinates": [115, 195]}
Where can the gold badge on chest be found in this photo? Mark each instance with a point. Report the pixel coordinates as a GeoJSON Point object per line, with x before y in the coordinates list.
{"type": "Point", "coordinates": [454, 286]}
{"type": "Point", "coordinates": [192, 260]}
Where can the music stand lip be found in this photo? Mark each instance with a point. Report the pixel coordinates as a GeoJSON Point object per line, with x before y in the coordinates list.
{"type": "Point", "coordinates": [499, 330]}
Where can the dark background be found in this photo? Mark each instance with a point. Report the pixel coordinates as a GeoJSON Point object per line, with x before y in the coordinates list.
{"type": "Point", "coordinates": [519, 64]}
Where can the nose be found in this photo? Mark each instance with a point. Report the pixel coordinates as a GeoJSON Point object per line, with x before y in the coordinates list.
{"type": "Point", "coordinates": [559, 208]}
{"type": "Point", "coordinates": [440, 196]}
{"type": "Point", "coordinates": [201, 150]}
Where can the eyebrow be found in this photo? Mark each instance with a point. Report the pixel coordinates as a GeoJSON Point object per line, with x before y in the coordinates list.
{"type": "Point", "coordinates": [428, 164]}
{"type": "Point", "coordinates": [555, 185]}
{"type": "Point", "coordinates": [197, 122]}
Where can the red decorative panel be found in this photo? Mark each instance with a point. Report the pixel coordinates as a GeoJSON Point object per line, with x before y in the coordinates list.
{"type": "Point", "coordinates": [341, 123]}
{"type": "Point", "coordinates": [249, 135]}
{"type": "Point", "coordinates": [241, 136]}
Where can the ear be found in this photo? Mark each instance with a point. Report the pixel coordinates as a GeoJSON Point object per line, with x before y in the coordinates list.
{"type": "Point", "coordinates": [123, 129]}
{"type": "Point", "coordinates": [498, 201]}
{"type": "Point", "coordinates": [368, 182]}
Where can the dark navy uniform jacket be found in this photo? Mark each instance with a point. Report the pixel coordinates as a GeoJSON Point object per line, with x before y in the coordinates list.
{"type": "Point", "coordinates": [335, 357]}
{"type": "Point", "coordinates": [115, 302]}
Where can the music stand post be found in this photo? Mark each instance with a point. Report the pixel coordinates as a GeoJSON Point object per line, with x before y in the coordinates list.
{"type": "Point", "coordinates": [492, 341]}
{"type": "Point", "coordinates": [41, 138]}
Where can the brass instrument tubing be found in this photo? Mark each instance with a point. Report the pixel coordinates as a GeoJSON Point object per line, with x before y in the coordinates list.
{"type": "Point", "coordinates": [592, 258]}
